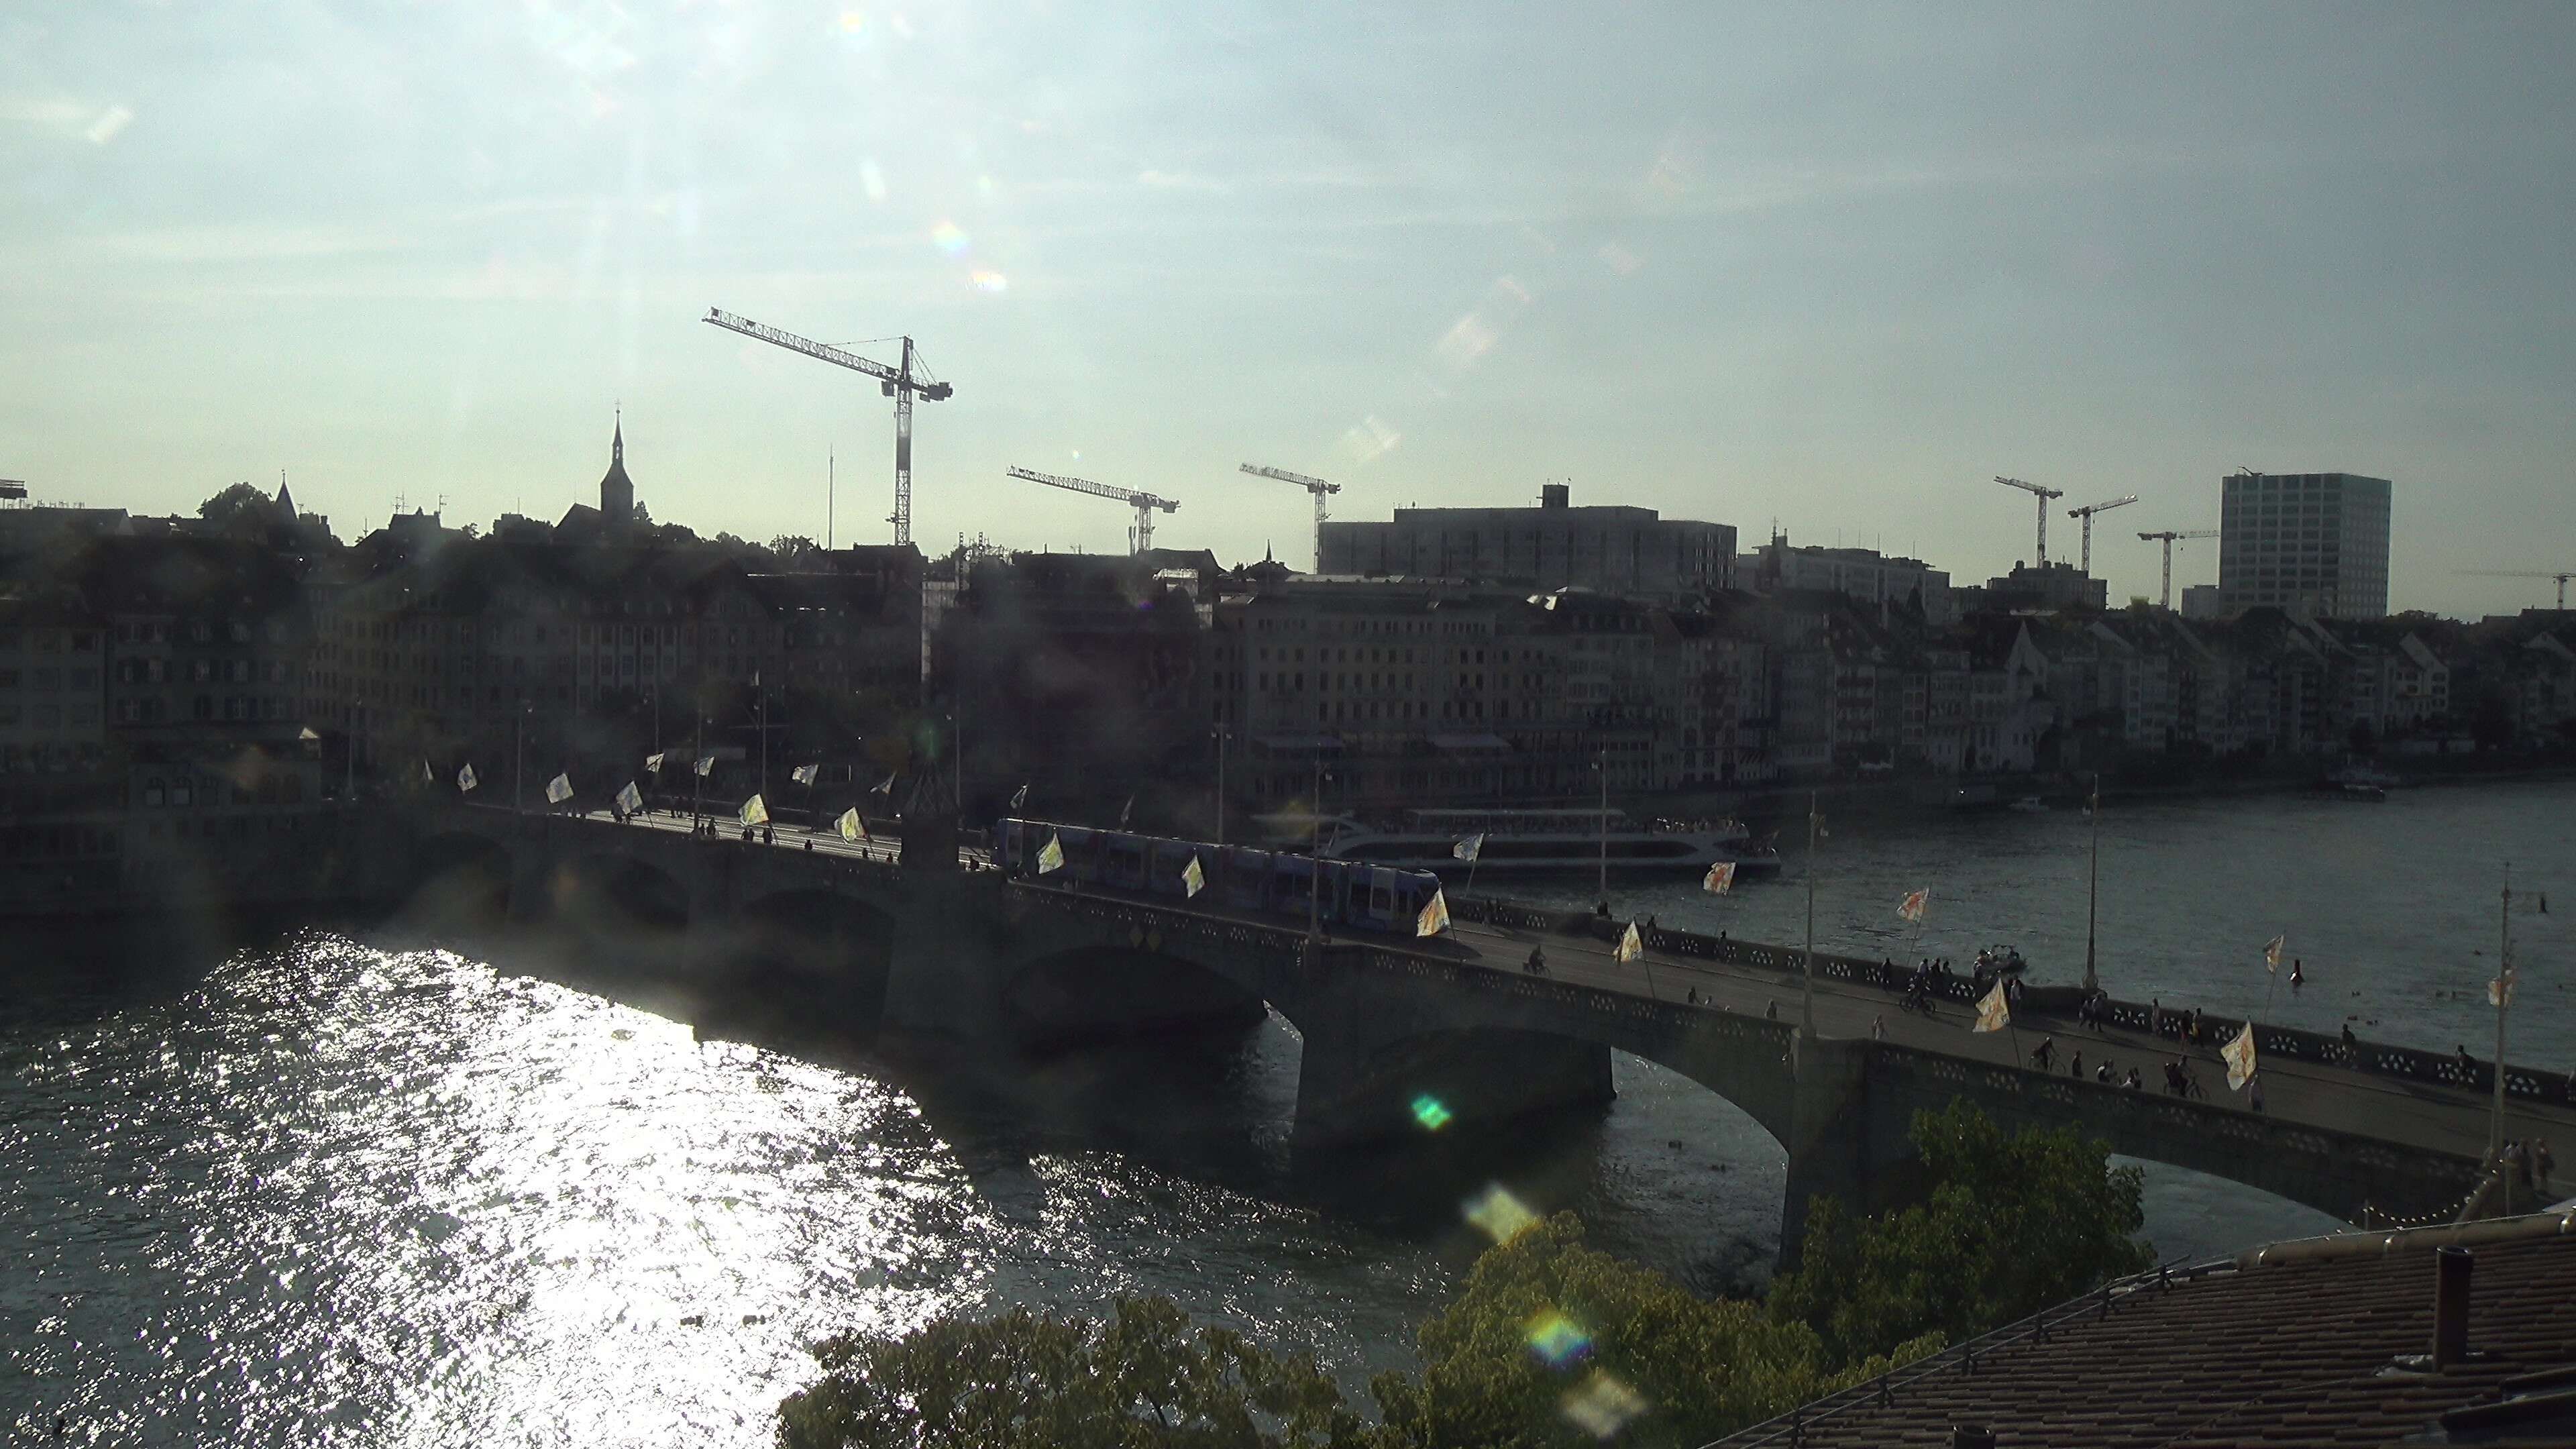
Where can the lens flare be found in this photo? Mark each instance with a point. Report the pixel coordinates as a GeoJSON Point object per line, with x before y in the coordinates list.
{"type": "Point", "coordinates": [993, 282]}
{"type": "Point", "coordinates": [1554, 1340]}
{"type": "Point", "coordinates": [1431, 1112]}
{"type": "Point", "coordinates": [949, 238]}
{"type": "Point", "coordinates": [1498, 1214]}
{"type": "Point", "coordinates": [1601, 1405]}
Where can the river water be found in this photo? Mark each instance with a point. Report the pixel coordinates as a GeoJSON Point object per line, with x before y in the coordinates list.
{"type": "Point", "coordinates": [343, 1190]}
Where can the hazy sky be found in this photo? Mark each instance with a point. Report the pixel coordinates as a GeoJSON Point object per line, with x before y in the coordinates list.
{"type": "Point", "coordinates": [1834, 267]}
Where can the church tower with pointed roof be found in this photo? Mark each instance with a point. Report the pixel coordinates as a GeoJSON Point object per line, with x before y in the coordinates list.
{"type": "Point", "coordinates": [616, 490]}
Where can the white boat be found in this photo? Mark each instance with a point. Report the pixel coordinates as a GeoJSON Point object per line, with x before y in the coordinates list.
{"type": "Point", "coordinates": [1537, 841]}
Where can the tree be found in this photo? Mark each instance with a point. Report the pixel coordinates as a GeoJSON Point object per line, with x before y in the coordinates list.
{"type": "Point", "coordinates": [1546, 1325]}
{"type": "Point", "coordinates": [1144, 1380]}
{"type": "Point", "coordinates": [240, 511]}
{"type": "Point", "coordinates": [793, 547]}
{"type": "Point", "coordinates": [2013, 1224]}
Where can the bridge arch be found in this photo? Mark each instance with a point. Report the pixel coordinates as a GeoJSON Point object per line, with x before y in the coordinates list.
{"type": "Point", "coordinates": [615, 894]}
{"type": "Point", "coordinates": [1091, 990]}
{"type": "Point", "coordinates": [460, 877]}
{"type": "Point", "coordinates": [803, 958]}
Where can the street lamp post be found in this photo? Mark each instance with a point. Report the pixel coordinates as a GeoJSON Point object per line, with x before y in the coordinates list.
{"type": "Point", "coordinates": [1601, 766]}
{"type": "Point", "coordinates": [2093, 894]}
{"type": "Point", "coordinates": [1807, 1005]}
{"type": "Point", "coordinates": [519, 759]}
{"type": "Point", "coordinates": [1314, 858]}
{"type": "Point", "coordinates": [2503, 998]}
{"type": "Point", "coordinates": [1220, 784]}
{"type": "Point", "coordinates": [697, 778]}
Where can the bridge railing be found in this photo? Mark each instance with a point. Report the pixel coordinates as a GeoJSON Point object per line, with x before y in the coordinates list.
{"type": "Point", "coordinates": [2526, 1083]}
{"type": "Point", "coordinates": [2381, 1059]}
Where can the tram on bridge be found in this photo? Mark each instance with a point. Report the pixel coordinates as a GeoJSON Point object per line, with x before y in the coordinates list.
{"type": "Point", "coordinates": [1349, 895]}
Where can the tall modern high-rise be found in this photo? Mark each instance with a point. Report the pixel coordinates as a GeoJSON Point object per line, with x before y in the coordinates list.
{"type": "Point", "coordinates": [2312, 542]}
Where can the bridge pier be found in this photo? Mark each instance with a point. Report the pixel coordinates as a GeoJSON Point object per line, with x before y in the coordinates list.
{"type": "Point", "coordinates": [1380, 1066]}
{"type": "Point", "coordinates": [1842, 1143]}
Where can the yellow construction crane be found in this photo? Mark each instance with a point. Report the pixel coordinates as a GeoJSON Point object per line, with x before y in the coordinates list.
{"type": "Point", "coordinates": [1142, 537]}
{"type": "Point", "coordinates": [2046, 496]}
{"type": "Point", "coordinates": [900, 383]}
{"type": "Point", "coordinates": [2086, 513]}
{"type": "Point", "coordinates": [2562, 576]}
{"type": "Point", "coordinates": [2169, 535]}
{"type": "Point", "coordinates": [1316, 486]}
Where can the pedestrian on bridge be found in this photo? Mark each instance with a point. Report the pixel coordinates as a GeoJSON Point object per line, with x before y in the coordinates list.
{"type": "Point", "coordinates": [2541, 1161]}
{"type": "Point", "coordinates": [2075, 1065]}
{"type": "Point", "coordinates": [1878, 1028]}
{"type": "Point", "coordinates": [2045, 1053]}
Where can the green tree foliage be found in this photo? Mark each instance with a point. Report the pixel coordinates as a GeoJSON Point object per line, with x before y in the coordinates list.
{"type": "Point", "coordinates": [2013, 1224]}
{"type": "Point", "coordinates": [793, 548]}
{"type": "Point", "coordinates": [240, 511]}
{"type": "Point", "coordinates": [1144, 1380]}
{"type": "Point", "coordinates": [1541, 1315]}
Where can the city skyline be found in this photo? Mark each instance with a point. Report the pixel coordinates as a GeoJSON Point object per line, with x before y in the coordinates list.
{"type": "Point", "coordinates": [1833, 274]}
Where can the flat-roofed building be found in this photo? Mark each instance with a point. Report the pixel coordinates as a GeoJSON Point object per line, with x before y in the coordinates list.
{"type": "Point", "coordinates": [2313, 543]}
{"type": "Point", "coordinates": [1609, 549]}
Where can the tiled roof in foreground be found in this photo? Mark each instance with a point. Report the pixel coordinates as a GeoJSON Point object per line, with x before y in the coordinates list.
{"type": "Point", "coordinates": [2284, 1347]}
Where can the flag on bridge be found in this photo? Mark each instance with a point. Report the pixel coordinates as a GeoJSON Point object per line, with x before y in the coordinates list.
{"type": "Point", "coordinates": [1469, 848]}
{"type": "Point", "coordinates": [1720, 878]}
{"type": "Point", "coordinates": [1051, 855]}
{"type": "Point", "coordinates": [465, 779]}
{"type": "Point", "coordinates": [2272, 952]}
{"type": "Point", "coordinates": [426, 777]}
{"type": "Point", "coordinates": [804, 774]}
{"type": "Point", "coordinates": [2239, 1055]}
{"type": "Point", "coordinates": [2500, 991]}
{"type": "Point", "coordinates": [1126, 812]}
{"type": "Point", "coordinates": [558, 789]}
{"type": "Point", "coordinates": [630, 799]}
{"type": "Point", "coordinates": [1020, 797]}
{"type": "Point", "coordinates": [885, 787]}
{"type": "Point", "coordinates": [1631, 945]}
{"type": "Point", "coordinates": [1192, 876]}
{"type": "Point", "coordinates": [755, 811]}
{"type": "Point", "coordinates": [1992, 1013]}
{"type": "Point", "coordinates": [1911, 908]}
{"type": "Point", "coordinates": [1435, 916]}
{"type": "Point", "coordinates": [653, 761]}
{"type": "Point", "coordinates": [851, 826]}
{"type": "Point", "coordinates": [706, 766]}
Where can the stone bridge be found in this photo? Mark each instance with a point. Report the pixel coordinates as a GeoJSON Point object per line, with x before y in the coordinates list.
{"type": "Point", "coordinates": [1399, 1036]}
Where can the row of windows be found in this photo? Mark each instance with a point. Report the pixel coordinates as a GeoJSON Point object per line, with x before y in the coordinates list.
{"type": "Point", "coordinates": [48, 641]}
{"type": "Point", "coordinates": [200, 671]}
{"type": "Point", "coordinates": [48, 716]}
{"type": "Point", "coordinates": [182, 791]}
{"type": "Point", "coordinates": [50, 679]}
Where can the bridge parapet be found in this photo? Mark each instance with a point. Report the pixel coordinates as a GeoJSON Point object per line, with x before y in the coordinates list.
{"type": "Point", "coordinates": [2382, 1059]}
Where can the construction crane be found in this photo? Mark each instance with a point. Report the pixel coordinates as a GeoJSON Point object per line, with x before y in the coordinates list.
{"type": "Point", "coordinates": [2046, 496]}
{"type": "Point", "coordinates": [2169, 535]}
{"type": "Point", "coordinates": [1316, 486]}
{"type": "Point", "coordinates": [2086, 513]}
{"type": "Point", "coordinates": [2561, 576]}
{"type": "Point", "coordinates": [1144, 503]}
{"type": "Point", "coordinates": [900, 383]}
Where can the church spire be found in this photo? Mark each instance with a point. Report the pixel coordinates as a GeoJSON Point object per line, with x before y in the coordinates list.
{"type": "Point", "coordinates": [616, 491]}
{"type": "Point", "coordinates": [617, 439]}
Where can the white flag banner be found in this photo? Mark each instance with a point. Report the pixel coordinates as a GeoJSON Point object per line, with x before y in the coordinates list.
{"type": "Point", "coordinates": [1720, 878]}
{"type": "Point", "coordinates": [1469, 848]}
{"type": "Point", "coordinates": [1192, 877]}
{"type": "Point", "coordinates": [1051, 855]}
{"type": "Point", "coordinates": [851, 826]}
{"type": "Point", "coordinates": [1992, 1013]}
{"type": "Point", "coordinates": [2272, 952]}
{"type": "Point", "coordinates": [558, 789]}
{"type": "Point", "coordinates": [465, 778]}
{"type": "Point", "coordinates": [653, 762]}
{"type": "Point", "coordinates": [1631, 944]}
{"type": "Point", "coordinates": [1911, 908]}
{"type": "Point", "coordinates": [1020, 798]}
{"type": "Point", "coordinates": [630, 799]}
{"type": "Point", "coordinates": [706, 766]}
{"type": "Point", "coordinates": [804, 774]}
{"type": "Point", "coordinates": [754, 811]}
{"type": "Point", "coordinates": [426, 776]}
{"type": "Point", "coordinates": [2500, 991]}
{"type": "Point", "coordinates": [885, 788]}
{"type": "Point", "coordinates": [1435, 916]}
{"type": "Point", "coordinates": [2239, 1056]}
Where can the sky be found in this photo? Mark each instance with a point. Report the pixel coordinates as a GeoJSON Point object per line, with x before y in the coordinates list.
{"type": "Point", "coordinates": [1827, 269]}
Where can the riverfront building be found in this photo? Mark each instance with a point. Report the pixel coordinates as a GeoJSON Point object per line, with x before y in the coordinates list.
{"type": "Point", "coordinates": [1613, 550]}
{"type": "Point", "coordinates": [2313, 543]}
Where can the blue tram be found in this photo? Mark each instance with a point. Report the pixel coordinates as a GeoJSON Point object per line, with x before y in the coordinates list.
{"type": "Point", "coordinates": [1351, 895]}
